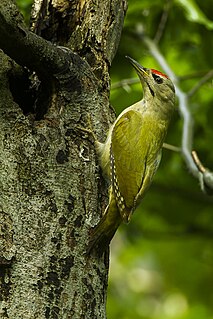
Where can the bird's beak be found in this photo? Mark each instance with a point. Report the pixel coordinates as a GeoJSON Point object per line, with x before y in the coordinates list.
{"type": "Point", "coordinates": [139, 68]}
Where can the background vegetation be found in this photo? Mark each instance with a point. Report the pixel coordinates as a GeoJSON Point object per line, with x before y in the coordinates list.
{"type": "Point", "coordinates": [162, 262]}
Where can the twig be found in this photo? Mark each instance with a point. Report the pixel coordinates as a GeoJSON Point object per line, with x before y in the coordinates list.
{"type": "Point", "coordinates": [162, 23]}
{"type": "Point", "coordinates": [171, 147]}
{"type": "Point", "coordinates": [124, 83]}
{"type": "Point", "coordinates": [205, 176]}
{"type": "Point", "coordinates": [197, 86]}
{"type": "Point", "coordinates": [198, 163]}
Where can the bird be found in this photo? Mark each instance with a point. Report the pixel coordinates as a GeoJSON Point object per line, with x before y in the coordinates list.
{"type": "Point", "coordinates": [132, 151]}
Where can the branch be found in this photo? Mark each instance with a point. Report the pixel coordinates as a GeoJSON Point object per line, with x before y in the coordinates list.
{"type": "Point", "coordinates": [30, 50]}
{"type": "Point", "coordinates": [205, 176]}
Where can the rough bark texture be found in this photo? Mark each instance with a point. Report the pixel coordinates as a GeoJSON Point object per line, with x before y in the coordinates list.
{"type": "Point", "coordinates": [51, 189]}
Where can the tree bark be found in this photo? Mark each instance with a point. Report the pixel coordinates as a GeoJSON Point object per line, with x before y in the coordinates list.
{"type": "Point", "coordinates": [51, 188]}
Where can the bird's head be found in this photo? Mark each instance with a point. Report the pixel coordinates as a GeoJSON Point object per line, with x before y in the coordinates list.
{"type": "Point", "coordinates": [156, 85]}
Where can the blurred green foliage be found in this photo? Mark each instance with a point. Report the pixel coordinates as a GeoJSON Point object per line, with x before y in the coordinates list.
{"type": "Point", "coordinates": [25, 8]}
{"type": "Point", "coordinates": [162, 262]}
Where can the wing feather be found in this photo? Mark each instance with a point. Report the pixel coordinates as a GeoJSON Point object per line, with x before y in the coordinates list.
{"type": "Point", "coordinates": [135, 156]}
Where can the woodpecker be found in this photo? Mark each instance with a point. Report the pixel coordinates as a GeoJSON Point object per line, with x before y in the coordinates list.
{"type": "Point", "coordinates": [131, 153]}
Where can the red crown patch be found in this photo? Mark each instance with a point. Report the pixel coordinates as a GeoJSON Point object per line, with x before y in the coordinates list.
{"type": "Point", "coordinates": [159, 73]}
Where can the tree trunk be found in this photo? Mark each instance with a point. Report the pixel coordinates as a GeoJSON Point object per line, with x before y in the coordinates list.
{"type": "Point", "coordinates": [51, 188]}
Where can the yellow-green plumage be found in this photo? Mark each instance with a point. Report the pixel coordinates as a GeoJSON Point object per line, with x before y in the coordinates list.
{"type": "Point", "coordinates": [136, 152]}
{"type": "Point", "coordinates": [132, 152]}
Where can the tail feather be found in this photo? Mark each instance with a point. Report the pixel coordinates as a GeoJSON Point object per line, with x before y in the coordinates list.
{"type": "Point", "coordinates": [102, 234]}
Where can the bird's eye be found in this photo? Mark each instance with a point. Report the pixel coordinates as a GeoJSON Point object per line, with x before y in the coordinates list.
{"type": "Point", "coordinates": [157, 78]}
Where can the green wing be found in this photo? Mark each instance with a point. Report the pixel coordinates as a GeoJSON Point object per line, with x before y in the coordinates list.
{"type": "Point", "coordinates": [135, 156]}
